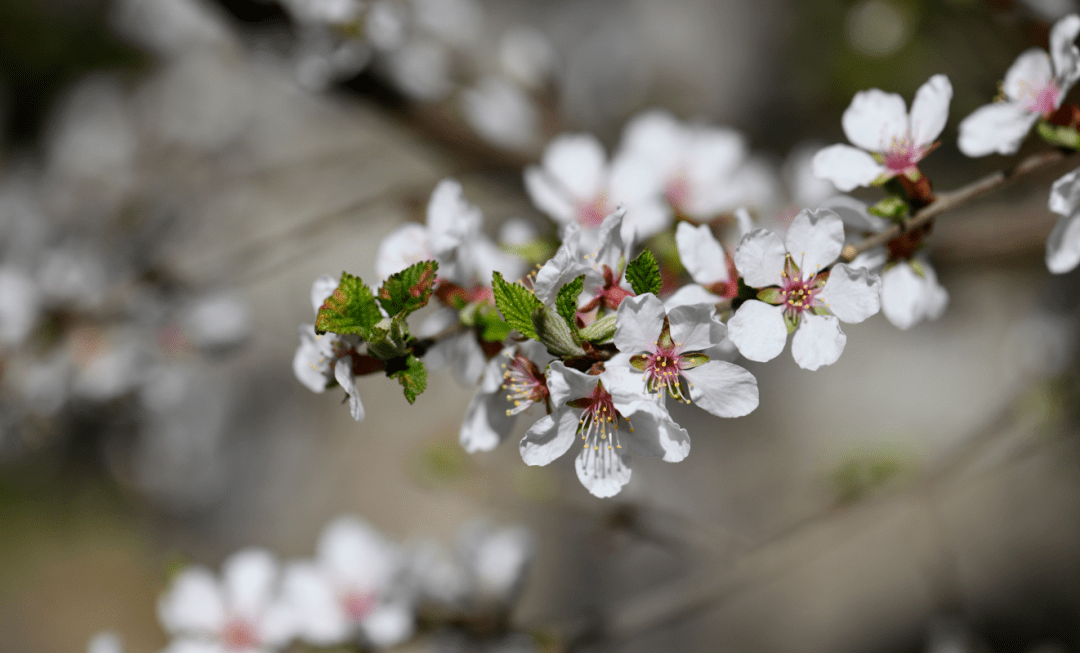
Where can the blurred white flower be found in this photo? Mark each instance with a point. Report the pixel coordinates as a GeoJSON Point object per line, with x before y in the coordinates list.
{"type": "Point", "coordinates": [322, 360]}
{"type": "Point", "coordinates": [458, 22]}
{"type": "Point", "coordinates": [512, 383]}
{"type": "Point", "coordinates": [496, 559]}
{"type": "Point", "coordinates": [324, 11]}
{"type": "Point", "coordinates": [105, 642]}
{"type": "Point", "coordinates": [420, 68]}
{"type": "Point", "coordinates": [20, 303]}
{"type": "Point", "coordinates": [171, 27]}
{"type": "Point", "coordinates": [1063, 245]}
{"type": "Point", "coordinates": [218, 320]}
{"type": "Point", "coordinates": [386, 25]}
{"type": "Point", "coordinates": [527, 56]}
{"type": "Point", "coordinates": [72, 277]}
{"type": "Point", "coordinates": [501, 113]}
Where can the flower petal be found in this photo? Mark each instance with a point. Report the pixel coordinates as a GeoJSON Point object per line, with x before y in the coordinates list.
{"type": "Point", "coordinates": [689, 295]}
{"type": "Point", "coordinates": [603, 472]}
{"type": "Point", "coordinates": [656, 137]}
{"type": "Point", "coordinates": [760, 257]}
{"type": "Point", "coordinates": [701, 254]}
{"type": "Point", "coordinates": [193, 604]}
{"type": "Point", "coordinates": [646, 217]}
{"type": "Point", "coordinates": [1027, 75]}
{"type": "Point", "coordinates": [639, 323]}
{"type": "Point", "coordinates": [1063, 51]}
{"type": "Point", "coordinates": [317, 612]}
{"type": "Point", "coordinates": [930, 110]}
{"type": "Point", "coordinates": [692, 327]}
{"type": "Point", "coordinates": [852, 294]}
{"type": "Point", "coordinates": [486, 422]}
{"type": "Point", "coordinates": [999, 127]}
{"type": "Point", "coordinates": [323, 287]}
{"type": "Point", "coordinates": [846, 167]}
{"type": "Point", "coordinates": [1063, 245]}
{"type": "Point", "coordinates": [388, 625]}
{"type": "Point", "coordinates": [818, 341]}
{"type": "Point", "coordinates": [406, 245]}
{"type": "Point", "coordinates": [1065, 193]}
{"type": "Point", "coordinates": [576, 163]}
{"type": "Point", "coordinates": [309, 360]}
{"type": "Point", "coordinates": [343, 374]}
{"type": "Point", "coordinates": [451, 219]}
{"type": "Point", "coordinates": [356, 555]}
{"type": "Point", "coordinates": [854, 214]}
{"type": "Point", "coordinates": [815, 239]}
{"type": "Point", "coordinates": [758, 331]}
{"type": "Point", "coordinates": [549, 437]}
{"type": "Point", "coordinates": [903, 296]}
{"type": "Point", "coordinates": [655, 434]}
{"type": "Point", "coordinates": [565, 383]}
{"type": "Point", "coordinates": [548, 196]}
{"type": "Point", "coordinates": [724, 389]}
{"type": "Point", "coordinates": [875, 119]}
{"type": "Point", "coordinates": [248, 578]}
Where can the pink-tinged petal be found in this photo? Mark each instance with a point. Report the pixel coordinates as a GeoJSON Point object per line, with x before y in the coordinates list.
{"type": "Point", "coordinates": [248, 578]}
{"type": "Point", "coordinates": [634, 179]}
{"type": "Point", "coordinates": [319, 617]}
{"type": "Point", "coordinates": [1030, 73]}
{"type": "Point", "coordinates": [874, 120]}
{"type": "Point", "coordinates": [639, 323]}
{"type": "Point", "coordinates": [814, 240]}
{"type": "Point", "coordinates": [356, 555]}
{"type": "Point", "coordinates": [760, 257]}
{"type": "Point", "coordinates": [549, 438]}
{"type": "Point", "coordinates": [999, 127]}
{"type": "Point", "coordinates": [723, 389]}
{"type": "Point", "coordinates": [565, 383]}
{"type": "Point", "coordinates": [846, 167]}
{"type": "Point", "coordinates": [278, 626]}
{"type": "Point", "coordinates": [603, 472]}
{"type": "Point", "coordinates": [852, 294]}
{"type": "Point", "coordinates": [689, 295]}
{"type": "Point", "coordinates": [1063, 246]}
{"type": "Point", "coordinates": [655, 434]}
{"type": "Point", "coordinates": [548, 196]}
{"type": "Point", "coordinates": [626, 386]}
{"type": "Point", "coordinates": [758, 331]}
{"type": "Point", "coordinates": [903, 296]}
{"type": "Point", "coordinates": [576, 164]}
{"type": "Point", "coordinates": [567, 264]}
{"type": "Point", "coordinates": [406, 245]}
{"type": "Point", "coordinates": [323, 287]}
{"type": "Point", "coordinates": [692, 327]}
{"type": "Point", "coordinates": [645, 218]}
{"type": "Point", "coordinates": [486, 422]}
{"type": "Point", "coordinates": [818, 341]}
{"type": "Point", "coordinates": [701, 254]}
{"type": "Point", "coordinates": [451, 219]}
{"type": "Point", "coordinates": [657, 138]}
{"type": "Point", "coordinates": [343, 374]}
{"type": "Point", "coordinates": [854, 214]}
{"type": "Point", "coordinates": [930, 110]}
{"type": "Point", "coordinates": [1063, 50]}
{"type": "Point", "coordinates": [193, 605]}
{"type": "Point", "coordinates": [388, 625]}
{"type": "Point", "coordinates": [1065, 193]}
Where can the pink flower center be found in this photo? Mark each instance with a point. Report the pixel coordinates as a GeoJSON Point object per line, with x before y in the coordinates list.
{"type": "Point", "coordinates": [1044, 101]}
{"type": "Point", "coordinates": [902, 155]}
{"type": "Point", "coordinates": [526, 384]}
{"type": "Point", "coordinates": [239, 634]}
{"type": "Point", "coordinates": [798, 294]}
{"type": "Point", "coordinates": [599, 422]}
{"type": "Point", "coordinates": [663, 371]}
{"type": "Point", "coordinates": [357, 605]}
{"type": "Point", "coordinates": [591, 214]}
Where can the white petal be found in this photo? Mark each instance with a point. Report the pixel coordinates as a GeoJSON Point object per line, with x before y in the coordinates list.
{"type": "Point", "coordinates": [1064, 52]}
{"type": "Point", "coordinates": [846, 167]}
{"type": "Point", "coordinates": [701, 254]}
{"type": "Point", "coordinates": [318, 614]}
{"type": "Point", "coordinates": [625, 385]}
{"type": "Point", "coordinates": [713, 155]}
{"type": "Point", "coordinates": [323, 287]}
{"type": "Point", "coordinates": [105, 641]}
{"type": "Point", "coordinates": [549, 437]}
{"type": "Point", "coordinates": [19, 305]}
{"type": "Point", "coordinates": [406, 245]}
{"type": "Point", "coordinates": [871, 260]}
{"type": "Point", "coordinates": [818, 341]}
{"type": "Point", "coordinates": [692, 327]}
{"type": "Point", "coordinates": [565, 383]}
{"type": "Point", "coordinates": [248, 577]}
{"type": "Point", "coordinates": [486, 423]}
{"type": "Point", "coordinates": [937, 299]}
{"type": "Point", "coordinates": [854, 214]}
{"type": "Point", "coordinates": [194, 604]}
{"type": "Point", "coordinates": [814, 240]}
{"type": "Point", "coordinates": [689, 295]}
{"type": "Point", "coordinates": [903, 297]}
{"type": "Point", "coordinates": [639, 322]}
{"type": "Point", "coordinates": [645, 218]}
{"type": "Point", "coordinates": [576, 163]}
{"type": "Point", "coordinates": [467, 357]}
{"type": "Point", "coordinates": [657, 138]}
{"type": "Point", "coordinates": [758, 331]}
{"type": "Point", "coordinates": [388, 625]}
{"type": "Point", "coordinates": [723, 389]}
{"type": "Point", "coordinates": [1065, 193]}
{"type": "Point", "coordinates": [567, 264]}
{"type": "Point", "coordinates": [481, 258]}
{"type": "Point", "coordinates": [999, 127]}
{"type": "Point", "coordinates": [603, 472]}
{"type": "Point", "coordinates": [548, 196]}
{"type": "Point", "coordinates": [759, 258]}
{"type": "Point", "coordinates": [852, 294]}
{"type": "Point", "coordinates": [442, 319]}
{"type": "Point", "coordinates": [874, 119]}
{"type": "Point", "coordinates": [655, 434]}
{"type": "Point", "coordinates": [307, 366]}
{"type": "Point", "coordinates": [1063, 245]}
{"type": "Point", "coordinates": [1030, 72]}
{"type": "Point", "coordinates": [451, 219]}
{"type": "Point", "coordinates": [195, 646]}
{"type": "Point", "coordinates": [343, 374]}
{"type": "Point", "coordinates": [930, 109]}
{"type": "Point", "coordinates": [356, 555]}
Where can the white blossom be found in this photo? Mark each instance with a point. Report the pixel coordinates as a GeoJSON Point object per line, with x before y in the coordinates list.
{"type": "Point", "coordinates": [1034, 87]}
{"type": "Point", "coordinates": [501, 113]}
{"type": "Point", "coordinates": [1063, 246]}
{"type": "Point", "coordinates": [513, 382]}
{"type": "Point", "coordinates": [888, 140]}
{"type": "Point", "coordinates": [20, 303]}
{"type": "Point", "coordinates": [321, 361]}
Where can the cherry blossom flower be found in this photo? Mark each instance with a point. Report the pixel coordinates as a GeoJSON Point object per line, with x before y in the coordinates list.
{"type": "Point", "coordinates": [241, 613]}
{"type": "Point", "coordinates": [714, 274]}
{"type": "Point", "coordinates": [889, 141]}
{"type": "Point", "coordinates": [513, 383]}
{"type": "Point", "coordinates": [496, 560]}
{"type": "Point", "coordinates": [1063, 246]}
{"type": "Point", "coordinates": [1034, 87]}
{"type": "Point", "coordinates": [501, 113]}
{"type": "Point", "coordinates": [575, 184]}
{"type": "Point", "coordinates": [323, 360]}
{"type": "Point", "coordinates": [797, 295]}
{"type": "Point", "coordinates": [608, 410]}
{"type": "Point", "coordinates": [349, 589]}
{"type": "Point", "coordinates": [667, 347]}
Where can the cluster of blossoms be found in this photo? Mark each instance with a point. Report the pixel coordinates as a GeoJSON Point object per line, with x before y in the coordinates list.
{"type": "Point", "coordinates": [360, 589]}
{"type": "Point", "coordinates": [597, 342]}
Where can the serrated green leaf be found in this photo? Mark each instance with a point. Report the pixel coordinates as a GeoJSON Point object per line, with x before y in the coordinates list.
{"type": "Point", "coordinates": [351, 310]}
{"type": "Point", "coordinates": [389, 338]}
{"type": "Point", "coordinates": [408, 290]}
{"type": "Point", "coordinates": [517, 304]}
{"type": "Point", "coordinates": [551, 329]}
{"type": "Point", "coordinates": [566, 301]}
{"type": "Point", "coordinates": [410, 373]}
{"type": "Point", "coordinates": [490, 325]}
{"type": "Point", "coordinates": [601, 330]}
{"type": "Point", "coordinates": [643, 273]}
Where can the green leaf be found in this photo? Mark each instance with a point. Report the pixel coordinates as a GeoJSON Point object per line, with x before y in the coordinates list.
{"type": "Point", "coordinates": [350, 310]}
{"type": "Point", "coordinates": [1060, 136]}
{"type": "Point", "coordinates": [516, 303]}
{"type": "Point", "coordinates": [566, 301]}
{"type": "Point", "coordinates": [410, 373]}
{"type": "Point", "coordinates": [551, 329]}
{"type": "Point", "coordinates": [643, 273]}
{"type": "Point", "coordinates": [791, 321]}
{"type": "Point", "coordinates": [771, 295]}
{"type": "Point", "coordinates": [601, 330]}
{"type": "Point", "coordinates": [408, 290]}
{"type": "Point", "coordinates": [892, 208]}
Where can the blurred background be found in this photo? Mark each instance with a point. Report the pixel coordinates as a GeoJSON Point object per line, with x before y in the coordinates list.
{"type": "Point", "coordinates": [174, 174]}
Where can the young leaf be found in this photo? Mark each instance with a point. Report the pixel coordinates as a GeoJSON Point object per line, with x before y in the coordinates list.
{"type": "Point", "coordinates": [516, 303]}
{"type": "Point", "coordinates": [566, 301]}
{"type": "Point", "coordinates": [643, 273]}
{"type": "Point", "coordinates": [553, 331]}
{"type": "Point", "coordinates": [350, 310]}
{"type": "Point", "coordinates": [409, 289]}
{"type": "Point", "coordinates": [410, 373]}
